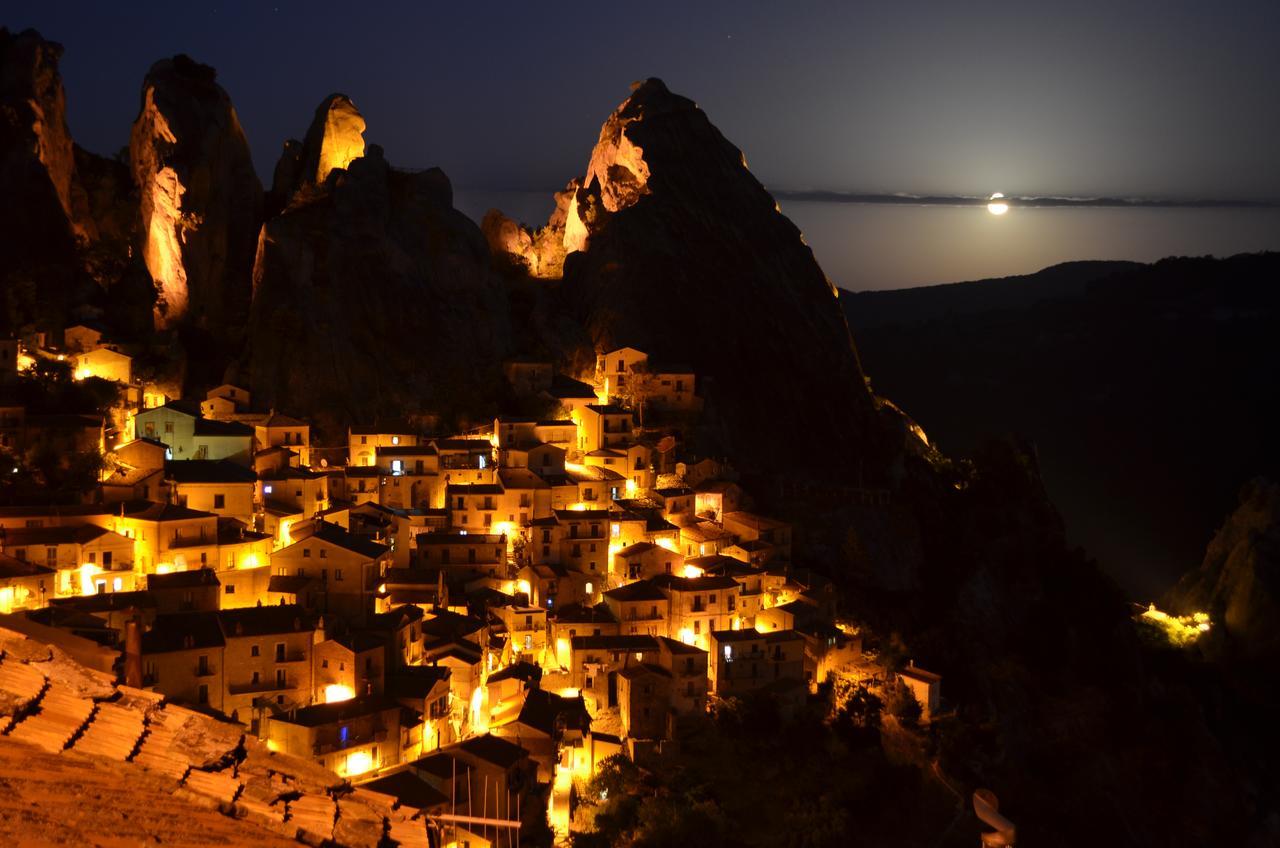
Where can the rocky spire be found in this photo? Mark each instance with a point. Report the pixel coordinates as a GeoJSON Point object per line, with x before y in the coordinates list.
{"type": "Point", "coordinates": [37, 160]}
{"type": "Point", "coordinates": [200, 200]}
{"type": "Point", "coordinates": [334, 140]}
{"type": "Point", "coordinates": [672, 246]}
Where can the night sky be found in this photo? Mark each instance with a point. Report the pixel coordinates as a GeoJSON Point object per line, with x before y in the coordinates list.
{"type": "Point", "coordinates": [1162, 99]}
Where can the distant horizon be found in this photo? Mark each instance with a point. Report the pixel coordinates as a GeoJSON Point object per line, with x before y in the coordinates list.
{"type": "Point", "coordinates": [904, 198]}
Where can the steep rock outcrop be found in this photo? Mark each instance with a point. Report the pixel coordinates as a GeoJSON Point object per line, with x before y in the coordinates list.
{"type": "Point", "coordinates": [334, 139]}
{"type": "Point", "coordinates": [200, 201]}
{"type": "Point", "coordinates": [675, 248]}
{"type": "Point", "coordinates": [373, 295]}
{"type": "Point", "coordinates": [44, 226]}
{"type": "Point", "coordinates": [537, 252]}
{"type": "Point", "coordinates": [1238, 583]}
{"type": "Point", "coordinates": [36, 155]}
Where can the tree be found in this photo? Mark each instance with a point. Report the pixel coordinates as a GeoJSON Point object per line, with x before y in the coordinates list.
{"type": "Point", "coordinates": [639, 387]}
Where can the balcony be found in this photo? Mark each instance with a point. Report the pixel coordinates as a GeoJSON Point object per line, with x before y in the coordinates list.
{"type": "Point", "coordinates": [261, 686]}
{"type": "Point", "coordinates": [353, 740]}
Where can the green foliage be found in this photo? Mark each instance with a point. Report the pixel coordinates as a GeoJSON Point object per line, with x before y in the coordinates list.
{"type": "Point", "coordinates": [901, 704]}
{"type": "Point", "coordinates": [743, 777]}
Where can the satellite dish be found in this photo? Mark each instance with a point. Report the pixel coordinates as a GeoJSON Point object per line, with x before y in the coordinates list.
{"type": "Point", "coordinates": [324, 463]}
{"type": "Point", "coordinates": [666, 444]}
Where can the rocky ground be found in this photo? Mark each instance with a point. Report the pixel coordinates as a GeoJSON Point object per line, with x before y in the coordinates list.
{"type": "Point", "coordinates": [86, 762]}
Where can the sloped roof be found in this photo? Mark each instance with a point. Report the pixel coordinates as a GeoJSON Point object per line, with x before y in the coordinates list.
{"type": "Point", "coordinates": [208, 471]}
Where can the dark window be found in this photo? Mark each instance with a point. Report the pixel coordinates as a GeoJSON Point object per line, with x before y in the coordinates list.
{"type": "Point", "coordinates": [219, 501]}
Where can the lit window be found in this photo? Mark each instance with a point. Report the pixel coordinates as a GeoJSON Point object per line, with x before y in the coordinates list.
{"type": "Point", "coordinates": [395, 440]}
{"type": "Point", "coordinates": [728, 653]}
{"type": "Point", "coordinates": [590, 589]}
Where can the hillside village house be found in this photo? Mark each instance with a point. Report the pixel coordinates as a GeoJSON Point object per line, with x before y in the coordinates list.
{"type": "Point", "coordinates": [925, 687]}
{"type": "Point", "coordinates": [24, 585]}
{"type": "Point", "coordinates": [243, 662]}
{"type": "Point", "coordinates": [218, 486]}
{"type": "Point", "coordinates": [350, 568]}
{"type": "Point", "coordinates": [225, 402]}
{"type": "Point", "coordinates": [106, 363]}
{"type": "Point", "coordinates": [188, 435]}
{"type": "Point", "coordinates": [278, 430]}
{"type": "Point", "coordinates": [351, 737]}
{"type": "Point", "coordinates": [86, 559]}
{"type": "Point", "coordinates": [744, 661]}
{"type": "Point", "coordinates": [364, 441]}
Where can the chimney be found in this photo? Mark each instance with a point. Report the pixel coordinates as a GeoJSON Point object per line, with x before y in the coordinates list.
{"type": "Point", "coordinates": [133, 652]}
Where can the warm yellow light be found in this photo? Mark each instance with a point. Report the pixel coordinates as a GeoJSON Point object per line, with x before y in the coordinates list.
{"type": "Point", "coordinates": [686, 635]}
{"type": "Point", "coordinates": [666, 542]}
{"type": "Point", "coordinates": [570, 692]}
{"type": "Point", "coordinates": [249, 561]}
{"type": "Point", "coordinates": [335, 692]}
{"type": "Point", "coordinates": [87, 573]}
{"type": "Point", "coordinates": [579, 507]}
{"type": "Point", "coordinates": [523, 586]}
{"type": "Point", "coordinates": [358, 762]}
{"type": "Point", "coordinates": [692, 571]}
{"type": "Point", "coordinates": [631, 488]}
{"type": "Point", "coordinates": [479, 716]}
{"type": "Point", "coordinates": [997, 206]}
{"type": "Point", "coordinates": [7, 599]}
{"type": "Point", "coordinates": [1180, 630]}
{"type": "Point", "coordinates": [164, 568]}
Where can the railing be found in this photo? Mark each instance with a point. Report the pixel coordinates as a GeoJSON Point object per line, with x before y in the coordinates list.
{"type": "Point", "coordinates": [261, 686]}
{"type": "Point", "coordinates": [352, 740]}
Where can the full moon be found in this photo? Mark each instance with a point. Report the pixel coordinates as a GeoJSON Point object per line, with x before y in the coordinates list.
{"type": "Point", "coordinates": [997, 206]}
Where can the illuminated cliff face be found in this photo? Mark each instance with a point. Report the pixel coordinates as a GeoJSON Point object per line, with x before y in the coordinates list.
{"type": "Point", "coordinates": [617, 177]}
{"type": "Point", "coordinates": [617, 174]}
{"type": "Point", "coordinates": [342, 135]}
{"type": "Point", "coordinates": [33, 107]}
{"type": "Point", "coordinates": [161, 206]}
{"type": "Point", "coordinates": [200, 202]}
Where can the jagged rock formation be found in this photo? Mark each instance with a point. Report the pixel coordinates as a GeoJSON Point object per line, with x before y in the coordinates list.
{"type": "Point", "coordinates": [334, 139]}
{"type": "Point", "coordinates": [200, 201]}
{"type": "Point", "coordinates": [1238, 583]}
{"type": "Point", "coordinates": [675, 248]}
{"type": "Point", "coordinates": [44, 222]}
{"type": "Point", "coordinates": [539, 253]}
{"type": "Point", "coordinates": [37, 150]}
{"type": "Point", "coordinates": [372, 294]}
